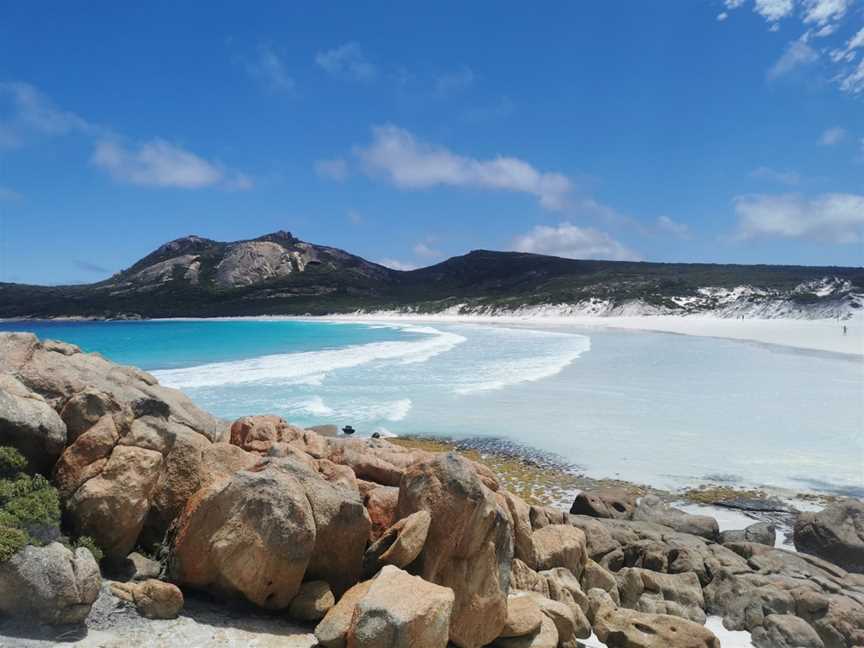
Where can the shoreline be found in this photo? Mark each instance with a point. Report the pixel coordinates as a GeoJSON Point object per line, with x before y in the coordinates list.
{"type": "Point", "coordinates": [816, 335]}
{"type": "Point", "coordinates": [823, 336]}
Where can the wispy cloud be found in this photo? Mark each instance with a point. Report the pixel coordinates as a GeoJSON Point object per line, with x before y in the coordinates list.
{"type": "Point", "coordinates": [333, 169]}
{"type": "Point", "coordinates": [410, 163]}
{"type": "Point", "coordinates": [347, 62]}
{"type": "Point", "coordinates": [820, 38]}
{"type": "Point", "coordinates": [673, 227]}
{"type": "Point", "coordinates": [26, 112]}
{"type": "Point", "coordinates": [833, 217]}
{"type": "Point", "coordinates": [798, 54]}
{"type": "Point", "coordinates": [568, 240]}
{"type": "Point", "coordinates": [158, 163]}
{"type": "Point", "coordinates": [269, 69]}
{"type": "Point", "coordinates": [395, 264]}
{"type": "Point", "coordinates": [832, 136]}
{"type": "Point", "coordinates": [152, 163]}
{"type": "Point", "coordinates": [425, 251]}
{"type": "Point", "coordinates": [772, 175]}
{"type": "Point", "coordinates": [354, 217]}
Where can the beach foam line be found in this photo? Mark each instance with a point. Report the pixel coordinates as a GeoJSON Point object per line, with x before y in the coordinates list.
{"type": "Point", "coordinates": [311, 367]}
{"type": "Point", "coordinates": [499, 375]}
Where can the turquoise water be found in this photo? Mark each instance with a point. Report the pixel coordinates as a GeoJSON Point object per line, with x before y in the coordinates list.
{"type": "Point", "coordinates": [668, 410]}
{"type": "Point", "coordinates": [154, 345]}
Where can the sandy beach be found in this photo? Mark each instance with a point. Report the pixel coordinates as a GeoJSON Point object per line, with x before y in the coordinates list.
{"type": "Point", "coordinates": [824, 335]}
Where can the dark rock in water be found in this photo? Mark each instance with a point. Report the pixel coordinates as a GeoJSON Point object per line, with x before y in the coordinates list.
{"type": "Point", "coordinates": [835, 534]}
{"type": "Point", "coordinates": [756, 505]}
{"type": "Point", "coordinates": [376, 435]}
{"type": "Point", "coordinates": [760, 533]}
{"type": "Point", "coordinates": [614, 503]}
{"type": "Point", "coordinates": [348, 430]}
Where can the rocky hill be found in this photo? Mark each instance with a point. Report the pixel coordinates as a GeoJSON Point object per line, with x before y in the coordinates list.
{"type": "Point", "coordinates": [280, 274]}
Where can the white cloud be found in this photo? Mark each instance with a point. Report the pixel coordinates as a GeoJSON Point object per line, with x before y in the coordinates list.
{"type": "Point", "coordinates": [455, 81]}
{"type": "Point", "coordinates": [774, 10]}
{"type": "Point", "coordinates": [833, 217]}
{"type": "Point", "coordinates": [853, 81]}
{"type": "Point", "coordinates": [568, 240]}
{"type": "Point", "coordinates": [722, 16]}
{"type": "Point", "coordinates": [412, 164]}
{"type": "Point", "coordinates": [395, 264]}
{"type": "Point", "coordinates": [425, 251]}
{"type": "Point", "coordinates": [823, 11]}
{"type": "Point", "coordinates": [159, 164]}
{"type": "Point", "coordinates": [269, 69]}
{"type": "Point", "coordinates": [832, 136]}
{"type": "Point", "coordinates": [335, 169]}
{"type": "Point", "coordinates": [347, 61]}
{"type": "Point", "coordinates": [797, 55]}
{"type": "Point", "coordinates": [734, 4]}
{"type": "Point", "coordinates": [666, 224]}
{"type": "Point", "coordinates": [782, 177]}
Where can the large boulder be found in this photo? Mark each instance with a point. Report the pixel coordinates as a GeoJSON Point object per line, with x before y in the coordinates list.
{"type": "Point", "coordinates": [622, 628]}
{"type": "Point", "coordinates": [560, 545]}
{"type": "Point", "coordinates": [673, 594]}
{"type": "Point", "coordinates": [380, 502]}
{"type": "Point", "coordinates": [147, 445]}
{"type": "Point", "coordinates": [786, 631]}
{"type": "Point", "coordinates": [835, 534]}
{"type": "Point", "coordinates": [783, 583]}
{"type": "Point", "coordinates": [761, 532]}
{"type": "Point", "coordinates": [523, 617]}
{"type": "Point", "coordinates": [652, 509]}
{"type": "Point", "coordinates": [252, 535]}
{"type": "Point", "coordinates": [545, 637]}
{"type": "Point", "coordinates": [112, 506]}
{"type": "Point", "coordinates": [59, 371]}
{"type": "Point", "coordinates": [50, 584]}
{"type": "Point", "coordinates": [30, 424]}
{"type": "Point", "coordinates": [332, 632]}
{"type": "Point", "coordinates": [261, 433]}
{"type": "Point", "coordinates": [469, 546]}
{"type": "Point", "coordinates": [341, 523]}
{"type": "Point", "coordinates": [605, 503]}
{"type": "Point", "coordinates": [401, 611]}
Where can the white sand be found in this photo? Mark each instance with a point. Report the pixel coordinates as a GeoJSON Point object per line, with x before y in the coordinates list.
{"type": "Point", "coordinates": [814, 335]}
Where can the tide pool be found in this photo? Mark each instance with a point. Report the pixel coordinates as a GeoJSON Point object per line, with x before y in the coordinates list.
{"type": "Point", "coordinates": [663, 409]}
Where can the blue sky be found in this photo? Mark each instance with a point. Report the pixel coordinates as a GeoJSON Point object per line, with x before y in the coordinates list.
{"type": "Point", "coordinates": [682, 130]}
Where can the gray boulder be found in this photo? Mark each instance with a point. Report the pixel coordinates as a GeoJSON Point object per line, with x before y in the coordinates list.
{"type": "Point", "coordinates": [605, 503]}
{"type": "Point", "coordinates": [674, 594]}
{"type": "Point", "coordinates": [652, 509]}
{"type": "Point", "coordinates": [761, 533]}
{"type": "Point", "coordinates": [786, 631]}
{"type": "Point", "coordinates": [49, 584]}
{"type": "Point", "coordinates": [30, 424]}
{"type": "Point", "coordinates": [835, 534]}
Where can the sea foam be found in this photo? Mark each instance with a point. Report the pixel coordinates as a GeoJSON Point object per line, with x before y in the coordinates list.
{"type": "Point", "coordinates": [311, 367]}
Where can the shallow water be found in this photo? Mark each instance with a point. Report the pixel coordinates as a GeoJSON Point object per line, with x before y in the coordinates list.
{"type": "Point", "coordinates": [663, 409]}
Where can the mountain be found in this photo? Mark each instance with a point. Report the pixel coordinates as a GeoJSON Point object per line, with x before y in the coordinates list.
{"type": "Point", "coordinates": [280, 274]}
